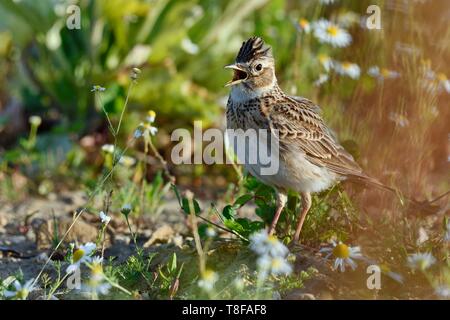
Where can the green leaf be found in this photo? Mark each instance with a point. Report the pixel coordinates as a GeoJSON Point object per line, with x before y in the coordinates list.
{"type": "Point", "coordinates": [202, 230]}
{"type": "Point", "coordinates": [173, 264]}
{"type": "Point", "coordinates": [177, 194]}
{"type": "Point", "coordinates": [235, 226]}
{"type": "Point", "coordinates": [265, 213]}
{"type": "Point", "coordinates": [242, 200]}
{"type": "Point", "coordinates": [186, 208]}
{"type": "Point", "coordinates": [228, 212]}
{"type": "Point", "coordinates": [256, 226]}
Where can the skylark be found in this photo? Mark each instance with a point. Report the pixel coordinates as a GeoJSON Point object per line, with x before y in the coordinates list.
{"type": "Point", "coordinates": [310, 157]}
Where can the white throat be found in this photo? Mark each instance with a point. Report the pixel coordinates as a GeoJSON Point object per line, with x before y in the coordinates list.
{"type": "Point", "coordinates": [240, 93]}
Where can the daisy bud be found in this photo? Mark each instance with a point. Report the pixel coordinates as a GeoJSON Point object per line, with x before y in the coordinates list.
{"type": "Point", "coordinates": [135, 73]}
{"type": "Point", "coordinates": [98, 88]}
{"type": "Point", "coordinates": [126, 209]}
{"type": "Point", "coordinates": [151, 115]}
{"type": "Point", "coordinates": [35, 121]}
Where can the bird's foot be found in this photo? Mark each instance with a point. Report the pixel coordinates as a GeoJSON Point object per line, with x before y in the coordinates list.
{"type": "Point", "coordinates": [294, 242]}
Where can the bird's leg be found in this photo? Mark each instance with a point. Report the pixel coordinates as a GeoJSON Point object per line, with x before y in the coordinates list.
{"type": "Point", "coordinates": [281, 202]}
{"type": "Point", "coordinates": [306, 204]}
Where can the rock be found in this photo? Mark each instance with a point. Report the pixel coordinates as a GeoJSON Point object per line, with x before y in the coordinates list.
{"type": "Point", "coordinates": [39, 294]}
{"type": "Point", "coordinates": [3, 221]}
{"type": "Point", "coordinates": [299, 294]}
{"type": "Point", "coordinates": [162, 234]}
{"type": "Point", "coordinates": [15, 122]}
{"type": "Point", "coordinates": [47, 231]}
{"type": "Point", "coordinates": [177, 240]}
{"type": "Point", "coordinates": [42, 257]}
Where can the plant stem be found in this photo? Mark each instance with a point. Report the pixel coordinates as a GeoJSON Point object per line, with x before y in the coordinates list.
{"type": "Point", "coordinates": [198, 244]}
{"type": "Point", "coordinates": [124, 107]}
{"type": "Point", "coordinates": [131, 232]}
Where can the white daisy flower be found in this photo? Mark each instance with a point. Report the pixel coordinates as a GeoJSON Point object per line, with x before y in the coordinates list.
{"type": "Point", "coordinates": [328, 32]}
{"type": "Point", "coordinates": [421, 261]}
{"type": "Point", "coordinates": [96, 266]}
{"type": "Point", "coordinates": [20, 291]}
{"type": "Point", "coordinates": [210, 232]}
{"type": "Point", "coordinates": [97, 288]}
{"type": "Point", "coordinates": [98, 88]}
{"type": "Point", "coordinates": [108, 148]}
{"type": "Point", "coordinates": [127, 161]}
{"type": "Point", "coordinates": [443, 291]}
{"type": "Point", "coordinates": [96, 285]}
{"type": "Point", "coordinates": [97, 260]}
{"type": "Point", "coordinates": [344, 255]}
{"type": "Point", "coordinates": [321, 80]}
{"type": "Point", "coordinates": [447, 232]}
{"type": "Point", "coordinates": [264, 244]}
{"type": "Point", "coordinates": [208, 280]}
{"type": "Point", "coordinates": [434, 81]}
{"type": "Point", "coordinates": [239, 283]}
{"type": "Point", "coordinates": [151, 115]}
{"type": "Point", "coordinates": [304, 25]}
{"type": "Point", "coordinates": [349, 18]}
{"type": "Point", "coordinates": [188, 46]}
{"type": "Point", "coordinates": [195, 14]}
{"type": "Point", "coordinates": [274, 265]}
{"type": "Point", "coordinates": [399, 119]}
{"type": "Point", "coordinates": [145, 129]}
{"type": "Point", "coordinates": [443, 82]}
{"type": "Point", "coordinates": [81, 255]}
{"type": "Point", "coordinates": [138, 133]}
{"type": "Point", "coordinates": [393, 275]}
{"type": "Point", "coordinates": [105, 218]}
{"type": "Point", "coordinates": [351, 70]}
{"type": "Point", "coordinates": [327, 2]}
{"type": "Point", "coordinates": [382, 73]}
{"type": "Point", "coordinates": [325, 61]}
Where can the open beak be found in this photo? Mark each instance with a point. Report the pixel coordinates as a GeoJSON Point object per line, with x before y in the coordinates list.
{"type": "Point", "coordinates": [239, 74]}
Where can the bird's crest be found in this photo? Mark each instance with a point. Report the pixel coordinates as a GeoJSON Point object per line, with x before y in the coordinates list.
{"type": "Point", "coordinates": [251, 49]}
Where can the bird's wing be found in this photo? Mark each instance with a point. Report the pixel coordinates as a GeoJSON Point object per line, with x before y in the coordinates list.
{"type": "Point", "coordinates": [299, 124]}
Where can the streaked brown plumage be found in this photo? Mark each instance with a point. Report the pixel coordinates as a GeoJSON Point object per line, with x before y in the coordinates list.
{"type": "Point", "coordinates": [311, 158]}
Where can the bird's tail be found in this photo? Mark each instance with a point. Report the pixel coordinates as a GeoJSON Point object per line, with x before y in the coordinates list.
{"type": "Point", "coordinates": [426, 206]}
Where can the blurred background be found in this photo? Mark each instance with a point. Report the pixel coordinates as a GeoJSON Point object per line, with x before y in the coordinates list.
{"type": "Point", "coordinates": [52, 127]}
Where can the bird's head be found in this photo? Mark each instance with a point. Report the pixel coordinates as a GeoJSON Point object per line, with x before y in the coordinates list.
{"type": "Point", "coordinates": [254, 68]}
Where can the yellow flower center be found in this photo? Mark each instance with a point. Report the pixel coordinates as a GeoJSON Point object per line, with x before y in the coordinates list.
{"type": "Point", "coordinates": [276, 263]}
{"type": "Point", "coordinates": [384, 268]}
{"type": "Point", "coordinates": [209, 275]}
{"type": "Point", "coordinates": [152, 114]}
{"type": "Point", "coordinates": [441, 76]}
{"type": "Point", "coordinates": [423, 264]}
{"type": "Point", "coordinates": [323, 58]}
{"type": "Point", "coordinates": [96, 269]}
{"type": "Point", "coordinates": [272, 239]}
{"type": "Point", "coordinates": [346, 65]}
{"type": "Point", "coordinates": [303, 23]}
{"type": "Point", "coordinates": [385, 72]}
{"type": "Point", "coordinates": [77, 255]}
{"type": "Point", "coordinates": [333, 31]}
{"type": "Point", "coordinates": [426, 62]}
{"type": "Point", "coordinates": [22, 294]}
{"type": "Point", "coordinates": [341, 251]}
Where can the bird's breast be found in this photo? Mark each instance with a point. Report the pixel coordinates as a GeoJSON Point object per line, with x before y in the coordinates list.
{"type": "Point", "coordinates": [246, 115]}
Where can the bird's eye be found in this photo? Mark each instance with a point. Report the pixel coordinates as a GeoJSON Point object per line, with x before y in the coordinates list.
{"type": "Point", "coordinates": [258, 67]}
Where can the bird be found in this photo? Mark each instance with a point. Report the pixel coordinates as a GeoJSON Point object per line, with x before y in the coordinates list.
{"type": "Point", "coordinates": [310, 157]}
